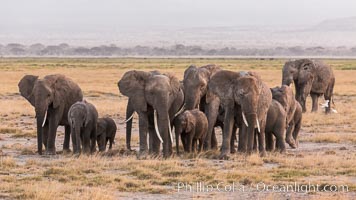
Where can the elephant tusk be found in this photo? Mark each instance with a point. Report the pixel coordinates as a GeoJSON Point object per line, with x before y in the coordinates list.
{"type": "Point", "coordinates": [128, 119]}
{"type": "Point", "coordinates": [244, 118]}
{"type": "Point", "coordinates": [170, 129]}
{"type": "Point", "coordinates": [44, 119]}
{"type": "Point", "coordinates": [156, 126]}
{"type": "Point", "coordinates": [258, 125]}
{"type": "Point", "coordinates": [180, 111]}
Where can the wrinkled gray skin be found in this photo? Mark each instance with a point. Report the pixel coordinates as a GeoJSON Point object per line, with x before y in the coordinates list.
{"type": "Point", "coordinates": [106, 131]}
{"type": "Point", "coordinates": [148, 92]}
{"type": "Point", "coordinates": [284, 95]}
{"type": "Point", "coordinates": [53, 94]}
{"type": "Point", "coordinates": [83, 117]}
{"type": "Point", "coordinates": [195, 81]}
{"type": "Point", "coordinates": [242, 91]}
{"type": "Point", "coordinates": [129, 112]}
{"type": "Point", "coordinates": [192, 126]}
{"type": "Point", "coordinates": [276, 125]}
{"type": "Point", "coordinates": [310, 77]}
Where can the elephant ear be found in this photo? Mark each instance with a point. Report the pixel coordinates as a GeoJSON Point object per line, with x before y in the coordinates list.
{"type": "Point", "coordinates": [222, 83]}
{"type": "Point", "coordinates": [190, 121]}
{"type": "Point", "coordinates": [174, 82]}
{"type": "Point", "coordinates": [60, 90]}
{"type": "Point", "coordinates": [291, 106]}
{"type": "Point", "coordinates": [306, 72]}
{"type": "Point", "coordinates": [212, 69]}
{"type": "Point", "coordinates": [26, 85]}
{"type": "Point", "coordinates": [137, 81]}
{"type": "Point", "coordinates": [303, 62]}
{"type": "Point", "coordinates": [87, 118]}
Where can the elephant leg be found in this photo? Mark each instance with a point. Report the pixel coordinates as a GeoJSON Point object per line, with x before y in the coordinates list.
{"type": "Point", "coordinates": [289, 136]}
{"type": "Point", "coordinates": [279, 132]}
{"type": "Point", "coordinates": [143, 127]}
{"type": "Point", "coordinates": [200, 145]}
{"type": "Point", "coordinates": [233, 139]}
{"type": "Point", "coordinates": [111, 140]}
{"type": "Point", "coordinates": [328, 95]}
{"type": "Point", "coordinates": [93, 142]}
{"type": "Point", "coordinates": [194, 145]}
{"type": "Point", "coordinates": [66, 138]}
{"type": "Point", "coordinates": [296, 132]}
{"type": "Point", "coordinates": [190, 142]}
{"type": "Point", "coordinates": [103, 142]}
{"type": "Point", "coordinates": [185, 142]}
{"type": "Point", "coordinates": [212, 114]}
{"type": "Point", "coordinates": [315, 98]}
{"type": "Point", "coordinates": [227, 132]}
{"type": "Point", "coordinates": [269, 141]}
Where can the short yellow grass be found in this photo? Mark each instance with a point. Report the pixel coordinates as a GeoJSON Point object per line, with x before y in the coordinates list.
{"type": "Point", "coordinates": [24, 175]}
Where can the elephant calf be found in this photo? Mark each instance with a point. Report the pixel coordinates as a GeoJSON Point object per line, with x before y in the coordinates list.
{"type": "Point", "coordinates": [295, 124]}
{"type": "Point", "coordinates": [192, 126]}
{"type": "Point", "coordinates": [83, 117]}
{"type": "Point", "coordinates": [276, 125]}
{"type": "Point", "coordinates": [106, 131]}
{"type": "Point", "coordinates": [284, 95]}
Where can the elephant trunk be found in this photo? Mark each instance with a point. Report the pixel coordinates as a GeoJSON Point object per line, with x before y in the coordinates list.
{"type": "Point", "coordinates": [76, 138]}
{"type": "Point", "coordinates": [286, 81]}
{"type": "Point", "coordinates": [41, 117]}
{"type": "Point", "coordinates": [251, 118]}
{"type": "Point", "coordinates": [128, 130]}
{"type": "Point", "coordinates": [191, 99]}
{"type": "Point", "coordinates": [39, 133]}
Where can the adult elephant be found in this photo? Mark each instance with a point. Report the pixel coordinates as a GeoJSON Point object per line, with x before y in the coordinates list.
{"type": "Point", "coordinates": [196, 81]}
{"type": "Point", "coordinates": [310, 77]}
{"type": "Point", "coordinates": [130, 110]}
{"type": "Point", "coordinates": [160, 94]}
{"type": "Point", "coordinates": [52, 97]}
{"type": "Point", "coordinates": [243, 92]}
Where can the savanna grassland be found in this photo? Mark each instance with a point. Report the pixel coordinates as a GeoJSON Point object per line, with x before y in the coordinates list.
{"type": "Point", "coordinates": [326, 156]}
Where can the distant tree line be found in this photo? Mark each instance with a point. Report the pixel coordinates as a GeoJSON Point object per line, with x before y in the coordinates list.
{"type": "Point", "coordinates": [15, 49]}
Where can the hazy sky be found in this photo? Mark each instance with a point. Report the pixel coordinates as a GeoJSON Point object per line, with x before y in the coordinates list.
{"type": "Point", "coordinates": [76, 15]}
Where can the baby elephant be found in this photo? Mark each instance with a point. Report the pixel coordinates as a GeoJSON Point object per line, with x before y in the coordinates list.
{"type": "Point", "coordinates": [82, 117]}
{"type": "Point", "coordinates": [276, 125]}
{"type": "Point", "coordinates": [284, 95]}
{"type": "Point", "coordinates": [106, 132]}
{"type": "Point", "coordinates": [192, 126]}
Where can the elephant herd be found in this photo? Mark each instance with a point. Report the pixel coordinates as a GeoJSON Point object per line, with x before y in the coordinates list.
{"type": "Point", "coordinates": [207, 97]}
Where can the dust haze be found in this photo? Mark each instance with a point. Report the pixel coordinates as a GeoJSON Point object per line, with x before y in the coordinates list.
{"type": "Point", "coordinates": [164, 23]}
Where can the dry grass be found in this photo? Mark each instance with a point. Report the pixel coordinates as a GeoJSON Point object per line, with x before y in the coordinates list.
{"type": "Point", "coordinates": [24, 175]}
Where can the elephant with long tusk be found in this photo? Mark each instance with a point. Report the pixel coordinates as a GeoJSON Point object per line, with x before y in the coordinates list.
{"type": "Point", "coordinates": [156, 98]}
{"type": "Point", "coordinates": [51, 96]}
